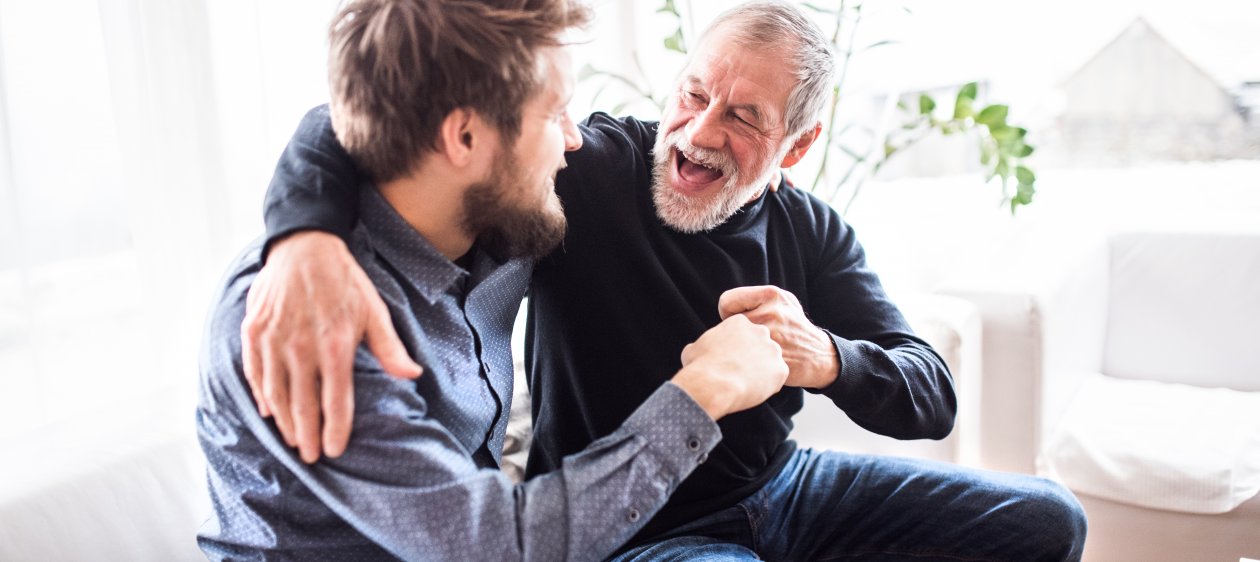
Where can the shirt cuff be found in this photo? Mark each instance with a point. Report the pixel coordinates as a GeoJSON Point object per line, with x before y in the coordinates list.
{"type": "Point", "coordinates": [677, 430]}
{"type": "Point", "coordinates": [846, 354]}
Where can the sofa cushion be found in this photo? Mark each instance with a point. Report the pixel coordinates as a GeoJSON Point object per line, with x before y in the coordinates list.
{"type": "Point", "coordinates": [1185, 307]}
{"type": "Point", "coordinates": [1159, 445]}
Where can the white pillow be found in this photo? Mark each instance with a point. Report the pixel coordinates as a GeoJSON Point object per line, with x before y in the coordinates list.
{"type": "Point", "coordinates": [1158, 445]}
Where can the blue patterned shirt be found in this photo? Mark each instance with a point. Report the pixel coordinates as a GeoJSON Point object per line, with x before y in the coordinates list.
{"type": "Point", "coordinates": [420, 478]}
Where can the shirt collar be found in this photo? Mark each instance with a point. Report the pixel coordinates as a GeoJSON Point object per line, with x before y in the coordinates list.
{"type": "Point", "coordinates": [392, 238]}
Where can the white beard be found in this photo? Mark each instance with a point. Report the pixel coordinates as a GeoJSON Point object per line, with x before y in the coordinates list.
{"type": "Point", "coordinates": [692, 214]}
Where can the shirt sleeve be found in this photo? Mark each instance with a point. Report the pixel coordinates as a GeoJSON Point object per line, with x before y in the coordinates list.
{"type": "Point", "coordinates": [411, 488]}
{"type": "Point", "coordinates": [315, 185]}
{"type": "Point", "coordinates": [890, 382]}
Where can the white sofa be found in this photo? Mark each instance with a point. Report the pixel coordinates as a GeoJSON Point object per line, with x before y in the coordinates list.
{"type": "Point", "coordinates": [1128, 367]}
{"type": "Point", "coordinates": [130, 489]}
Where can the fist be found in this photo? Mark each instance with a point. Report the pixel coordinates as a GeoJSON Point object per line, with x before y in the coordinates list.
{"type": "Point", "coordinates": [807, 349]}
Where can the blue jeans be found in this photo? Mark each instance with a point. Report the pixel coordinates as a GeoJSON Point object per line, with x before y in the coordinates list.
{"type": "Point", "coordinates": [827, 505]}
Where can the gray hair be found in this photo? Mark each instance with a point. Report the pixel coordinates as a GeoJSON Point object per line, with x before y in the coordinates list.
{"type": "Point", "coordinates": [779, 25]}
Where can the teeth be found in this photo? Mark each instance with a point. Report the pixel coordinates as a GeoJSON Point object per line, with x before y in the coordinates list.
{"type": "Point", "coordinates": [695, 160]}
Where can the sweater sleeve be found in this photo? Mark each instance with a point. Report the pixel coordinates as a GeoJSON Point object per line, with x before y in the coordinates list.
{"type": "Point", "coordinates": [890, 381]}
{"type": "Point", "coordinates": [315, 185]}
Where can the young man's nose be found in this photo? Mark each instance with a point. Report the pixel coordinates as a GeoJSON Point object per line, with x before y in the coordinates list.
{"type": "Point", "coordinates": [572, 136]}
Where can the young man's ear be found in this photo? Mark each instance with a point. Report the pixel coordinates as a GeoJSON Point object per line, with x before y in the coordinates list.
{"type": "Point", "coordinates": [461, 134]}
{"type": "Point", "coordinates": [801, 146]}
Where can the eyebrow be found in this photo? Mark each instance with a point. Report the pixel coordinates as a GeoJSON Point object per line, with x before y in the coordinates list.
{"type": "Point", "coordinates": [753, 110]}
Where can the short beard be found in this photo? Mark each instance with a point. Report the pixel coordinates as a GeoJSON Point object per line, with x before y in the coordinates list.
{"type": "Point", "coordinates": [504, 226]}
{"type": "Point", "coordinates": [690, 214]}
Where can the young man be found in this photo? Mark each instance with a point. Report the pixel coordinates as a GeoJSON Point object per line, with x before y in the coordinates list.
{"type": "Point", "coordinates": [672, 229]}
{"type": "Point", "coordinates": [456, 204]}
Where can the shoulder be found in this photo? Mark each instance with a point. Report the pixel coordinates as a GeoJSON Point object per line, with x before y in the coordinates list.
{"type": "Point", "coordinates": [608, 140]}
{"type": "Point", "coordinates": [221, 367]}
{"type": "Point", "coordinates": [809, 215]}
{"type": "Point", "coordinates": [615, 153]}
{"type": "Point", "coordinates": [227, 309]}
{"type": "Point", "coordinates": [823, 237]}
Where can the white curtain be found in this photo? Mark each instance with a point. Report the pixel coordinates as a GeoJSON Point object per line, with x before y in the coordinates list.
{"type": "Point", "coordinates": [136, 139]}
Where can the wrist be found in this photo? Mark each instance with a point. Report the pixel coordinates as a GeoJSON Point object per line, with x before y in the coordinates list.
{"type": "Point", "coordinates": [826, 364]}
{"type": "Point", "coordinates": [706, 390]}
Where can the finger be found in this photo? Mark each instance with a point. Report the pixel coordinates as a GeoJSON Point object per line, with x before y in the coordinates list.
{"type": "Point", "coordinates": [337, 398]}
{"type": "Point", "coordinates": [304, 398]}
{"type": "Point", "coordinates": [383, 342]}
{"type": "Point", "coordinates": [253, 365]}
{"type": "Point", "coordinates": [743, 299]}
{"type": "Point", "coordinates": [276, 391]}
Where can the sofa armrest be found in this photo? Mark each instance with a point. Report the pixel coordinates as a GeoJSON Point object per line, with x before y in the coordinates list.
{"type": "Point", "coordinates": [952, 327]}
{"type": "Point", "coordinates": [1044, 318]}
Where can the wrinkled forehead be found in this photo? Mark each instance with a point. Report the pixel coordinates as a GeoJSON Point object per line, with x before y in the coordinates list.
{"type": "Point", "coordinates": [725, 64]}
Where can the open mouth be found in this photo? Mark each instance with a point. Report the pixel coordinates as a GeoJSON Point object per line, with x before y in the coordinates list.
{"type": "Point", "coordinates": [695, 175]}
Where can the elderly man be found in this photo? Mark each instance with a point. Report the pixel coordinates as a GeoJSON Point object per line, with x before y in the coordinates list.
{"type": "Point", "coordinates": [459, 202]}
{"type": "Point", "coordinates": [674, 226]}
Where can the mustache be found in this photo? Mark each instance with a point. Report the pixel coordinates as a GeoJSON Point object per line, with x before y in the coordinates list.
{"type": "Point", "coordinates": [709, 157]}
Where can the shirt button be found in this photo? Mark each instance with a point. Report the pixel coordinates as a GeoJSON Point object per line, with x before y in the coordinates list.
{"type": "Point", "coordinates": [693, 444]}
{"type": "Point", "coordinates": [634, 515]}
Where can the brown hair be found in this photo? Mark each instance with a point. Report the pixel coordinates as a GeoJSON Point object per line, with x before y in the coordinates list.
{"type": "Point", "coordinates": [397, 68]}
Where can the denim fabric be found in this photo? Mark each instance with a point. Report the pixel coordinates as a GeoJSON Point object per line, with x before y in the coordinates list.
{"type": "Point", "coordinates": [827, 505]}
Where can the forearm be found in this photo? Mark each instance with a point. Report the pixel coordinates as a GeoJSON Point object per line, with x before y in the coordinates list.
{"type": "Point", "coordinates": [315, 185]}
{"type": "Point", "coordinates": [405, 483]}
{"type": "Point", "coordinates": [902, 390]}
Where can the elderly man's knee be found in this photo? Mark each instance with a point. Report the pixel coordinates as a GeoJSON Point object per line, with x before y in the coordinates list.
{"type": "Point", "coordinates": [1061, 520]}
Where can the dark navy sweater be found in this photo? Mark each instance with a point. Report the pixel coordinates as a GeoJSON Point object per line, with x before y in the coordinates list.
{"type": "Point", "coordinates": [613, 306]}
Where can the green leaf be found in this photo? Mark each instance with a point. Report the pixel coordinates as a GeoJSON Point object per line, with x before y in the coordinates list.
{"type": "Point", "coordinates": [668, 8]}
{"type": "Point", "coordinates": [926, 104]}
{"type": "Point", "coordinates": [1024, 151]}
{"type": "Point", "coordinates": [993, 116]}
{"type": "Point", "coordinates": [1002, 169]}
{"type": "Point", "coordinates": [968, 92]}
{"type": "Point", "coordinates": [987, 152]}
{"type": "Point", "coordinates": [675, 42]}
{"type": "Point", "coordinates": [1025, 176]}
{"type": "Point", "coordinates": [1002, 133]}
{"type": "Point", "coordinates": [962, 108]}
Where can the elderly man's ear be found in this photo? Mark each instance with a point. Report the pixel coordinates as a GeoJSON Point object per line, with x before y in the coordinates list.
{"type": "Point", "coordinates": [801, 146]}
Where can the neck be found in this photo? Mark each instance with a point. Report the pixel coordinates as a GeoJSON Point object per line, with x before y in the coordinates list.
{"type": "Point", "coordinates": [435, 208]}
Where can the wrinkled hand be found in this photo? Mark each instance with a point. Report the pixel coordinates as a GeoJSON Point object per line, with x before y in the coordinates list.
{"type": "Point", "coordinates": [807, 349]}
{"type": "Point", "coordinates": [306, 312]}
{"type": "Point", "coordinates": [732, 367]}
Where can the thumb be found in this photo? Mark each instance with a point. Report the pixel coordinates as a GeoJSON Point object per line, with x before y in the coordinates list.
{"type": "Point", "coordinates": [383, 342]}
{"type": "Point", "coordinates": [743, 299]}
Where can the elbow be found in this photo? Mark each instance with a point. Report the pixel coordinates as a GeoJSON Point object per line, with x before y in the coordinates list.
{"type": "Point", "coordinates": [942, 408]}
